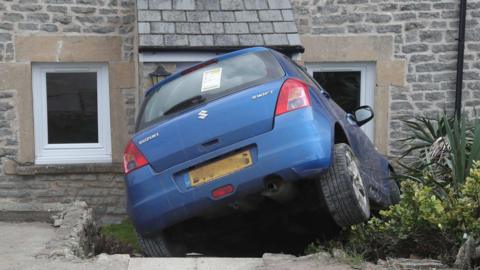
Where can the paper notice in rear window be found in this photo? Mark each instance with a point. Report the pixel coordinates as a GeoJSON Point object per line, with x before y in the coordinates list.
{"type": "Point", "coordinates": [211, 79]}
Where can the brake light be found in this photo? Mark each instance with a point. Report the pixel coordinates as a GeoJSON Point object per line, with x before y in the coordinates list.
{"type": "Point", "coordinates": [199, 66]}
{"type": "Point", "coordinates": [132, 158]}
{"type": "Point", "coordinates": [293, 95]}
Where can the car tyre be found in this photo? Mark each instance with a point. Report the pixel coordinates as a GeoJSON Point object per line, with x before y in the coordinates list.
{"type": "Point", "coordinates": [343, 188]}
{"type": "Point", "coordinates": [158, 246]}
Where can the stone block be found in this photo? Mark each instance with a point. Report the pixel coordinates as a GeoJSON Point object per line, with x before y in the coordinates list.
{"type": "Point", "coordinates": [72, 49]}
{"type": "Point", "coordinates": [431, 36]}
{"type": "Point", "coordinates": [413, 48]}
{"type": "Point", "coordinates": [83, 10]}
{"type": "Point", "coordinates": [26, 8]}
{"type": "Point", "coordinates": [6, 26]}
{"type": "Point", "coordinates": [5, 37]}
{"type": "Point", "coordinates": [38, 17]}
{"type": "Point", "coordinates": [53, 28]}
{"type": "Point", "coordinates": [389, 29]}
{"type": "Point", "coordinates": [61, 18]}
{"type": "Point", "coordinates": [12, 17]}
{"type": "Point", "coordinates": [378, 18]}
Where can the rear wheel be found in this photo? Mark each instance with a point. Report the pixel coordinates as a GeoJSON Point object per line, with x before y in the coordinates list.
{"type": "Point", "coordinates": [159, 246]}
{"type": "Point", "coordinates": [343, 188]}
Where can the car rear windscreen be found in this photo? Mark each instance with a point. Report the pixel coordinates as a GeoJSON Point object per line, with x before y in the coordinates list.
{"type": "Point", "coordinates": [207, 83]}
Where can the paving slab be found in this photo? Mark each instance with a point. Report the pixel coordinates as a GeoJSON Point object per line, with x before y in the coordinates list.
{"type": "Point", "coordinates": [200, 263]}
{"type": "Point", "coordinates": [20, 242]}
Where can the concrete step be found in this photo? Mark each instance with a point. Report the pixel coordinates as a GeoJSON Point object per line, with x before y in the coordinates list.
{"type": "Point", "coordinates": [201, 263]}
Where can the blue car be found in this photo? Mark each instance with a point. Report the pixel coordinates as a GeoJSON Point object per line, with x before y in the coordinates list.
{"type": "Point", "coordinates": [244, 124]}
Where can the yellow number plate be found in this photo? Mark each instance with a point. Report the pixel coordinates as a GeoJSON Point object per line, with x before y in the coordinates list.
{"type": "Point", "coordinates": [220, 168]}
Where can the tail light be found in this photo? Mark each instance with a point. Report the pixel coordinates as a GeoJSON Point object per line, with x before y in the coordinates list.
{"type": "Point", "coordinates": [293, 95]}
{"type": "Point", "coordinates": [132, 158]}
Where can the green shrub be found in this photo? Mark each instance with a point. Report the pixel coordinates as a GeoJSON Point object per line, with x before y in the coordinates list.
{"type": "Point", "coordinates": [423, 223]}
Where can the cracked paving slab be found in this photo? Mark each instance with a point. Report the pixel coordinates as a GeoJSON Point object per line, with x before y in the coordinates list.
{"type": "Point", "coordinates": [21, 242]}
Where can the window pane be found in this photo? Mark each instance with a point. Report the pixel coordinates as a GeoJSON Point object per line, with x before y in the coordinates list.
{"type": "Point", "coordinates": [344, 87]}
{"type": "Point", "coordinates": [72, 107]}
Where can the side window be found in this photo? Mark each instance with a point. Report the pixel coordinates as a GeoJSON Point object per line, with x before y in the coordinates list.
{"type": "Point", "coordinates": [302, 72]}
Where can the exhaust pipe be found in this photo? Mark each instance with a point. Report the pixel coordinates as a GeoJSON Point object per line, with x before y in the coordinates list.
{"type": "Point", "coordinates": [279, 190]}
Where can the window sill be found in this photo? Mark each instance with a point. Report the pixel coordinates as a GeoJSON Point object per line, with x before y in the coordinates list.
{"type": "Point", "coordinates": [12, 168]}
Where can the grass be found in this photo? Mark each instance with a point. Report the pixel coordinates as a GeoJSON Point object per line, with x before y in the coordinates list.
{"type": "Point", "coordinates": [123, 233]}
{"type": "Point", "coordinates": [338, 251]}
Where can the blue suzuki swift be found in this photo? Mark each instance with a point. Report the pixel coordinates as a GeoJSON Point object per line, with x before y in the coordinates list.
{"type": "Point", "coordinates": [244, 123]}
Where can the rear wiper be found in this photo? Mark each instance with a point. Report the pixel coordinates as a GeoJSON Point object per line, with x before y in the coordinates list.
{"type": "Point", "coordinates": [185, 104]}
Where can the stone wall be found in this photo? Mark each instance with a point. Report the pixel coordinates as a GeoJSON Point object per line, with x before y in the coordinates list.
{"type": "Point", "coordinates": [69, 17]}
{"type": "Point", "coordinates": [424, 33]}
{"type": "Point", "coordinates": [78, 31]}
{"type": "Point", "coordinates": [8, 128]}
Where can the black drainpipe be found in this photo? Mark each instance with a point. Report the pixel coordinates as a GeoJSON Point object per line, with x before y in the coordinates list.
{"type": "Point", "coordinates": [460, 56]}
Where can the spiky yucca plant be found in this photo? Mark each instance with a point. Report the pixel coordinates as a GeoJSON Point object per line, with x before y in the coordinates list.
{"type": "Point", "coordinates": [445, 149]}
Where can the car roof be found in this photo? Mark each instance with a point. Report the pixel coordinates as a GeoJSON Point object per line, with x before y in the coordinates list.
{"type": "Point", "coordinates": [221, 57]}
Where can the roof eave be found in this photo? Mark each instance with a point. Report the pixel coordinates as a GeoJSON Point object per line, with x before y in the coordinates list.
{"type": "Point", "coordinates": [285, 49]}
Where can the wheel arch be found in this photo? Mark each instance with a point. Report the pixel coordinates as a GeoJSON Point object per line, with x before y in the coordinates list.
{"type": "Point", "coordinates": [339, 135]}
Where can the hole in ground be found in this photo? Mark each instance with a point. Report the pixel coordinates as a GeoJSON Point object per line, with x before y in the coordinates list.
{"type": "Point", "coordinates": [253, 234]}
{"type": "Point", "coordinates": [249, 228]}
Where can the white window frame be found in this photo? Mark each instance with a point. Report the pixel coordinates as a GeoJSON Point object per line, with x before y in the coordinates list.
{"type": "Point", "coordinates": [367, 87]}
{"type": "Point", "coordinates": [71, 153]}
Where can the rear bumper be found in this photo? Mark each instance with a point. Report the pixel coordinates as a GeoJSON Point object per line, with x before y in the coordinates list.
{"type": "Point", "coordinates": [299, 145]}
